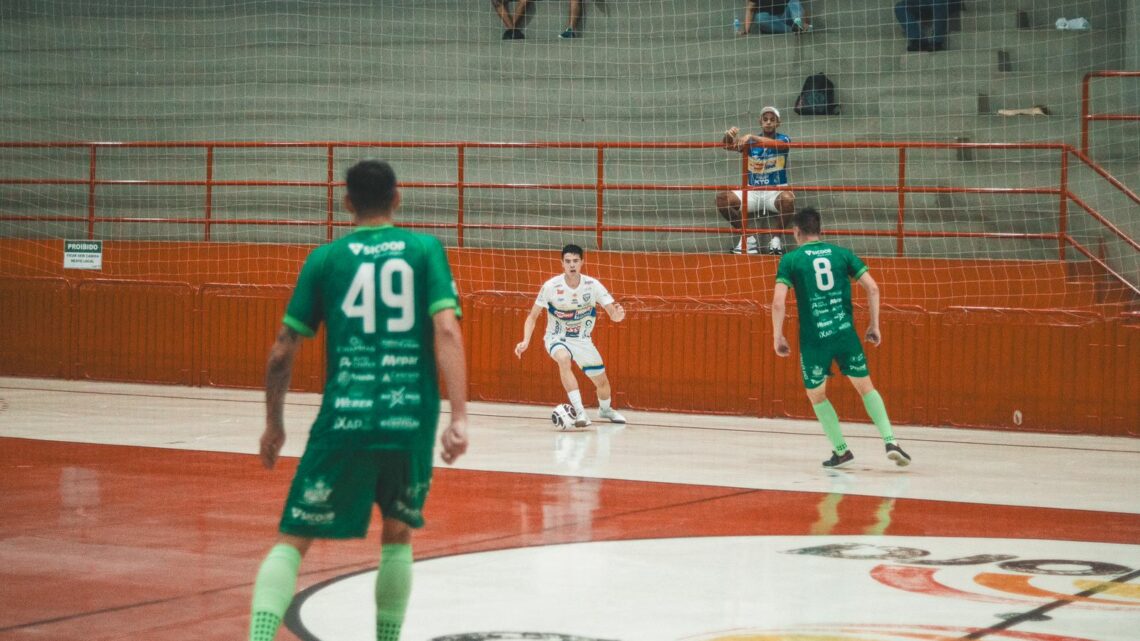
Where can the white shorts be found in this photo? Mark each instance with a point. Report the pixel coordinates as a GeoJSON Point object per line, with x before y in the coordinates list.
{"type": "Point", "coordinates": [583, 352]}
{"type": "Point", "coordinates": [760, 202]}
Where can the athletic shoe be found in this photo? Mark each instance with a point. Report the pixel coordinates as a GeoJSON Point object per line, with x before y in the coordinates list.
{"type": "Point", "coordinates": [513, 34]}
{"type": "Point", "coordinates": [753, 246]}
{"type": "Point", "coordinates": [839, 461]}
{"type": "Point", "coordinates": [896, 454]}
{"type": "Point", "coordinates": [775, 246]}
{"type": "Point", "coordinates": [582, 420]}
{"type": "Point", "coordinates": [798, 26]}
{"type": "Point", "coordinates": [569, 33]}
{"type": "Point", "coordinates": [611, 415]}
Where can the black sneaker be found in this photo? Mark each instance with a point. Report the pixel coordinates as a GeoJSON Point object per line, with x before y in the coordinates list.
{"type": "Point", "coordinates": [839, 461]}
{"type": "Point", "coordinates": [896, 454]}
{"type": "Point", "coordinates": [513, 34]}
{"type": "Point", "coordinates": [569, 33]}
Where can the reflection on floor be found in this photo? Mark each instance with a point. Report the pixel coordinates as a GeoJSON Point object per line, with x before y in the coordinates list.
{"type": "Point", "coordinates": [139, 512]}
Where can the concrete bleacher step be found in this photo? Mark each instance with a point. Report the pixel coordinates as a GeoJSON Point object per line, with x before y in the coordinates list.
{"type": "Point", "coordinates": [405, 70]}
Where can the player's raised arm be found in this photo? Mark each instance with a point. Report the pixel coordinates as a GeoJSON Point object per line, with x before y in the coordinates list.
{"type": "Point", "coordinates": [873, 336]}
{"type": "Point", "coordinates": [528, 330]}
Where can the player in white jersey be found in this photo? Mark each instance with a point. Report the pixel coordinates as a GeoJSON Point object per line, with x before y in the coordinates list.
{"type": "Point", "coordinates": [570, 301]}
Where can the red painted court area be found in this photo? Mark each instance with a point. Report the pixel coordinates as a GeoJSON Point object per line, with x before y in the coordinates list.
{"type": "Point", "coordinates": [140, 512]}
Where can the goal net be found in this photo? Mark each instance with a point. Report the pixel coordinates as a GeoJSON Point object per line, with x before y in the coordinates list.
{"type": "Point", "coordinates": [207, 139]}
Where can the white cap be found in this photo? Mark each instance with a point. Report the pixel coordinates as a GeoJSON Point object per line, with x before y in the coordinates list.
{"type": "Point", "coordinates": [773, 110]}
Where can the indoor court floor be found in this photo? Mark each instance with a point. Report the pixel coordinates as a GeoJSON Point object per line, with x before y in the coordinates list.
{"type": "Point", "coordinates": [141, 512]}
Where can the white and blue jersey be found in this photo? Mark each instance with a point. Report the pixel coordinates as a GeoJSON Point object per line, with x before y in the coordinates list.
{"type": "Point", "coordinates": [768, 167]}
{"type": "Point", "coordinates": [571, 312]}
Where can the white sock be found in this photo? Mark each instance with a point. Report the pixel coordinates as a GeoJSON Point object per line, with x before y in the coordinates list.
{"type": "Point", "coordinates": [604, 404]}
{"type": "Point", "coordinates": [576, 400]}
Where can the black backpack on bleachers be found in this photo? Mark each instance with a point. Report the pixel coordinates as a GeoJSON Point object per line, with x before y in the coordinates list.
{"type": "Point", "coordinates": [817, 98]}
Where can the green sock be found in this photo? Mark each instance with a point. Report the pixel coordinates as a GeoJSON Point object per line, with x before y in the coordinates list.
{"type": "Point", "coordinates": [393, 586]}
{"type": "Point", "coordinates": [830, 421]}
{"type": "Point", "coordinates": [273, 591]}
{"type": "Point", "coordinates": [878, 413]}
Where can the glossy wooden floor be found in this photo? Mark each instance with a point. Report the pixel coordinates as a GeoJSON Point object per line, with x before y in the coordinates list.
{"type": "Point", "coordinates": [140, 512]}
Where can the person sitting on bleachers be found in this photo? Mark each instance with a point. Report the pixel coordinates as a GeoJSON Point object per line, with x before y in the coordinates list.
{"type": "Point", "coordinates": [774, 16]}
{"type": "Point", "coordinates": [513, 21]}
{"type": "Point", "coordinates": [914, 15]}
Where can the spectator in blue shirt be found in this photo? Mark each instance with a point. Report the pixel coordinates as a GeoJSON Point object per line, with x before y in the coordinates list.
{"type": "Point", "coordinates": [774, 16]}
{"type": "Point", "coordinates": [767, 181]}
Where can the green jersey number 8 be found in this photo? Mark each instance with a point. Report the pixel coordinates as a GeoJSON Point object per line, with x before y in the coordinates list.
{"type": "Point", "coordinates": [360, 301]}
{"type": "Point", "coordinates": [824, 279]}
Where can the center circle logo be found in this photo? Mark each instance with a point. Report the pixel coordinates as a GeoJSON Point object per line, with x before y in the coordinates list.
{"type": "Point", "coordinates": [752, 588]}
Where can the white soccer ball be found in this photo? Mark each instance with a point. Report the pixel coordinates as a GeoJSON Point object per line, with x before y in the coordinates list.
{"type": "Point", "coordinates": [563, 416]}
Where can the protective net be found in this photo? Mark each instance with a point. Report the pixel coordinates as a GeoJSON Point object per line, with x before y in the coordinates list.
{"type": "Point", "coordinates": [609, 139]}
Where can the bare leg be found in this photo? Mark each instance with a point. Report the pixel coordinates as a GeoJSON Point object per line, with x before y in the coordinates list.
{"type": "Point", "coordinates": [301, 543]}
{"type": "Point", "coordinates": [602, 383]}
{"type": "Point", "coordinates": [818, 395]}
{"type": "Point", "coordinates": [565, 369]}
{"type": "Point", "coordinates": [575, 13]}
{"type": "Point", "coordinates": [786, 204]}
{"type": "Point", "coordinates": [862, 384]}
{"type": "Point", "coordinates": [729, 207]}
{"type": "Point", "coordinates": [395, 532]}
{"type": "Point", "coordinates": [520, 11]}
{"type": "Point", "coordinates": [501, 9]}
{"type": "Point", "coordinates": [749, 13]}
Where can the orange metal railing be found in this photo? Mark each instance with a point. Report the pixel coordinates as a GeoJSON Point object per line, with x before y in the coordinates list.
{"type": "Point", "coordinates": [600, 186]}
{"type": "Point", "coordinates": [1087, 116]}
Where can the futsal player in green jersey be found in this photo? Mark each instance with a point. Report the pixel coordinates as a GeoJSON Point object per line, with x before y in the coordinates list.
{"type": "Point", "coordinates": [821, 274]}
{"type": "Point", "coordinates": [390, 309]}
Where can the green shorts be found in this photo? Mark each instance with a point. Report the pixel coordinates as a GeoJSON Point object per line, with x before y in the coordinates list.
{"type": "Point", "coordinates": [845, 349]}
{"type": "Point", "coordinates": [333, 491]}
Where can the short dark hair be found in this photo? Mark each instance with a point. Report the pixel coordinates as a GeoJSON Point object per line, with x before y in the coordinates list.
{"type": "Point", "coordinates": [573, 249]}
{"type": "Point", "coordinates": [807, 219]}
{"type": "Point", "coordinates": [371, 186]}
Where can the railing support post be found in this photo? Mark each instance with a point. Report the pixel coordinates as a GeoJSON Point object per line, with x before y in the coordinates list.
{"type": "Point", "coordinates": [330, 205]}
{"type": "Point", "coordinates": [209, 213]}
{"type": "Point", "coordinates": [900, 246]}
{"type": "Point", "coordinates": [600, 195]}
{"type": "Point", "coordinates": [91, 194]}
{"type": "Point", "coordinates": [1063, 211]}
{"type": "Point", "coordinates": [461, 161]}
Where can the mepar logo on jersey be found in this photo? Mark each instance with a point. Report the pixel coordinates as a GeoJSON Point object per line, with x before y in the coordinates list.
{"type": "Point", "coordinates": [390, 247]}
{"type": "Point", "coordinates": [391, 360]}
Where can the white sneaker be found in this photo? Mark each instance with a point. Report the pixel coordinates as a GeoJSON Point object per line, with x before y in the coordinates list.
{"type": "Point", "coordinates": [753, 246]}
{"type": "Point", "coordinates": [775, 246]}
{"type": "Point", "coordinates": [582, 420]}
{"type": "Point", "coordinates": [611, 415]}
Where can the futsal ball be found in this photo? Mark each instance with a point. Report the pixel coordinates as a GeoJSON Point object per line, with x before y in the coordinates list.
{"type": "Point", "coordinates": [563, 416]}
